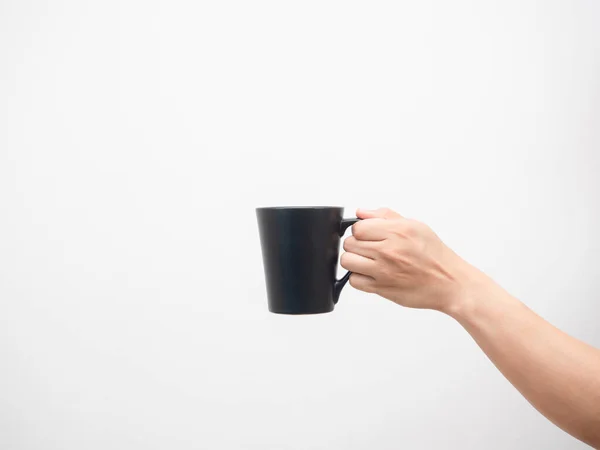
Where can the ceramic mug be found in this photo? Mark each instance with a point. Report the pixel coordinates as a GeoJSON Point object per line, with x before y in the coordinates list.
{"type": "Point", "coordinates": [300, 250]}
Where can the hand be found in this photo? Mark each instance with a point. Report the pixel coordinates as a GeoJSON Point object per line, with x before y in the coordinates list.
{"type": "Point", "coordinates": [404, 261]}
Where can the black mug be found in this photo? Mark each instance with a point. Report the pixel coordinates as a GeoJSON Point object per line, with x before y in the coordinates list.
{"type": "Point", "coordinates": [300, 249]}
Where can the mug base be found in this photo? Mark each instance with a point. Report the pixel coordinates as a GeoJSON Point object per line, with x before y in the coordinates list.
{"type": "Point", "coordinates": [299, 312]}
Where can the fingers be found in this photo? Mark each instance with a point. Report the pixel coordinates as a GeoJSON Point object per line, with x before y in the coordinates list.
{"type": "Point", "coordinates": [381, 213]}
{"type": "Point", "coordinates": [357, 263]}
{"type": "Point", "coordinates": [363, 283]}
{"type": "Point", "coordinates": [370, 230]}
{"type": "Point", "coordinates": [368, 249]}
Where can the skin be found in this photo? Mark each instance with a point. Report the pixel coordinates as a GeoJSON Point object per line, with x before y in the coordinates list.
{"type": "Point", "coordinates": [406, 262]}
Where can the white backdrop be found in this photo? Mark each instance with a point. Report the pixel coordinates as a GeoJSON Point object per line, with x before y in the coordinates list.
{"type": "Point", "coordinates": [136, 139]}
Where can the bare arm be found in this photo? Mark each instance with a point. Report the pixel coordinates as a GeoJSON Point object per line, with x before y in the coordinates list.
{"type": "Point", "coordinates": [557, 374]}
{"type": "Point", "coordinates": [406, 262]}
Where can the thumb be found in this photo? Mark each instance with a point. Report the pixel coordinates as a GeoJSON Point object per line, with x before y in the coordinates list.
{"type": "Point", "coordinates": [381, 213]}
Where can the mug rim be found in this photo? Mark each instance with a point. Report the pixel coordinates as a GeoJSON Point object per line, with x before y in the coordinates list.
{"type": "Point", "coordinates": [263, 208]}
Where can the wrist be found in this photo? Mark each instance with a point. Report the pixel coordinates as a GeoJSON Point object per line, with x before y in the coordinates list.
{"type": "Point", "coordinates": [472, 286]}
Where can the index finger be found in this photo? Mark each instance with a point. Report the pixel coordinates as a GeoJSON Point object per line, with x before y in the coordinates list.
{"type": "Point", "coordinates": [370, 230]}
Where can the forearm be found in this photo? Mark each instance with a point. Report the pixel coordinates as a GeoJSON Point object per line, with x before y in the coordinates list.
{"type": "Point", "coordinates": [559, 375]}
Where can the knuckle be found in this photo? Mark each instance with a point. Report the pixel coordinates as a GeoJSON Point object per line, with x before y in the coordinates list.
{"type": "Point", "coordinates": [358, 229]}
{"type": "Point", "coordinates": [409, 227]}
{"type": "Point", "coordinates": [353, 281]}
{"type": "Point", "coordinates": [388, 213]}
{"type": "Point", "coordinates": [348, 242]}
{"type": "Point", "coordinates": [388, 252]}
{"type": "Point", "coordinates": [344, 260]}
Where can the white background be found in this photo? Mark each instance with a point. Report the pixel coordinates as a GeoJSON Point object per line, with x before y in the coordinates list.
{"type": "Point", "coordinates": [136, 139]}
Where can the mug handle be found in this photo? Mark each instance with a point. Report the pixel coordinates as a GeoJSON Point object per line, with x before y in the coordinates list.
{"type": "Point", "coordinates": [339, 284]}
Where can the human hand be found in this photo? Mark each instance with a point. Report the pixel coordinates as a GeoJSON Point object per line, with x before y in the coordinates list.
{"type": "Point", "coordinates": [404, 261]}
